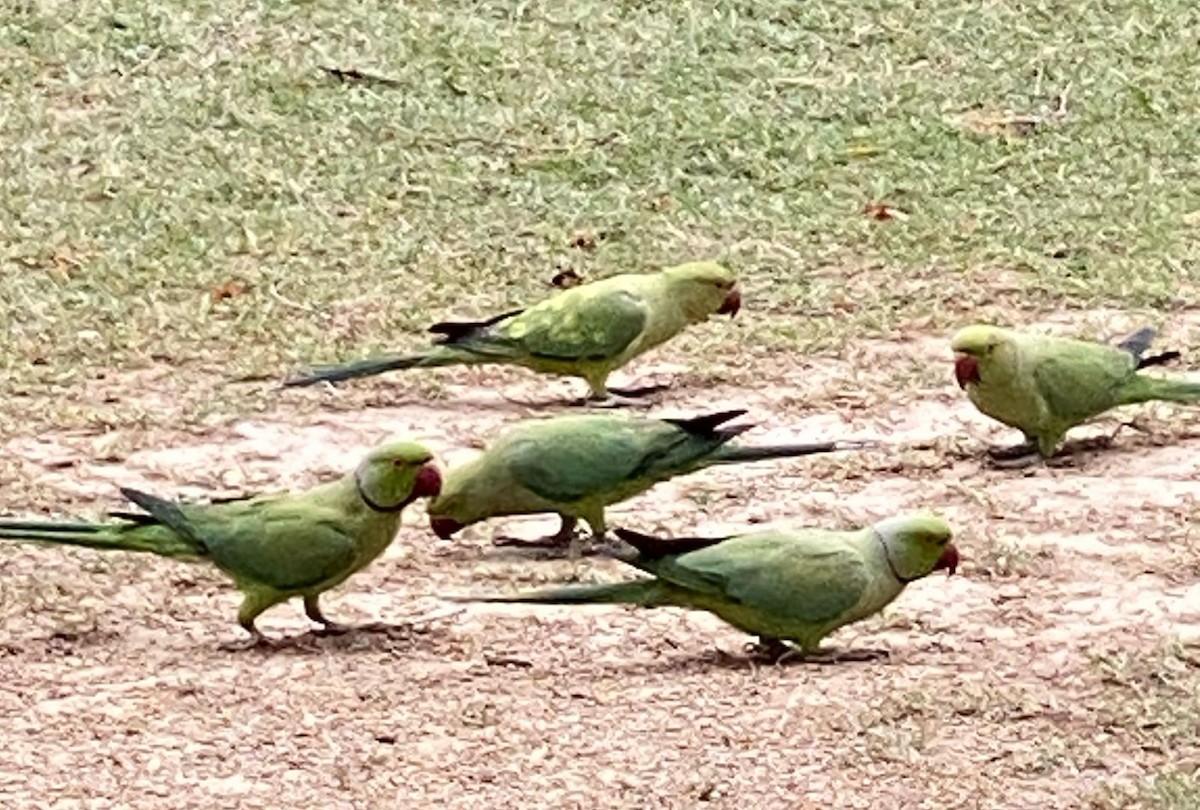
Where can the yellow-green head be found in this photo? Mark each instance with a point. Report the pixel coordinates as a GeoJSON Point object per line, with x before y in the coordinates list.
{"type": "Point", "coordinates": [394, 475]}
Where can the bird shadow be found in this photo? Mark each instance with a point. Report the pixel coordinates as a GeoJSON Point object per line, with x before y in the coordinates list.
{"type": "Point", "coordinates": [716, 658]}
{"type": "Point", "coordinates": [374, 637]}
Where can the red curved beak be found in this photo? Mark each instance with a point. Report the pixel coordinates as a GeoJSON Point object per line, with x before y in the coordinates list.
{"type": "Point", "coordinates": [444, 527]}
{"type": "Point", "coordinates": [428, 483]}
{"type": "Point", "coordinates": [948, 562]}
{"type": "Point", "coordinates": [732, 303]}
{"type": "Point", "coordinates": [966, 370]}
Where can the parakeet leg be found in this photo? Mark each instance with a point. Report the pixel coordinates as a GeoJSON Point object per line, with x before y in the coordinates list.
{"type": "Point", "coordinates": [312, 609]}
{"type": "Point", "coordinates": [253, 604]}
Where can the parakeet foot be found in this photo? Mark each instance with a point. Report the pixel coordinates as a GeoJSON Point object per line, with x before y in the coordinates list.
{"type": "Point", "coordinates": [332, 629]}
{"type": "Point", "coordinates": [1018, 463]}
{"type": "Point", "coordinates": [254, 641]}
{"type": "Point", "coordinates": [1013, 452]}
{"type": "Point", "coordinates": [779, 652]}
{"type": "Point", "coordinates": [552, 547]}
{"type": "Point", "coordinates": [772, 649]}
{"type": "Point", "coordinates": [549, 541]}
{"type": "Point", "coordinates": [565, 539]}
{"type": "Point", "coordinates": [312, 609]}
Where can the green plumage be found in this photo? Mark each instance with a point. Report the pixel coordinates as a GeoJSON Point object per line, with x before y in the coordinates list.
{"type": "Point", "coordinates": [274, 547]}
{"type": "Point", "coordinates": [797, 585]}
{"type": "Point", "coordinates": [1044, 386]}
{"type": "Point", "coordinates": [575, 466]}
{"type": "Point", "coordinates": [587, 331]}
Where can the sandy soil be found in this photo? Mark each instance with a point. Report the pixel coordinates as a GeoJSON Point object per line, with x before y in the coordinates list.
{"type": "Point", "coordinates": [1061, 666]}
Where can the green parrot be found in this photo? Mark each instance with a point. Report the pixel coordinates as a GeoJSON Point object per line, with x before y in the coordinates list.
{"type": "Point", "coordinates": [273, 547]}
{"type": "Point", "coordinates": [1044, 386]}
{"type": "Point", "coordinates": [587, 331]}
{"type": "Point", "coordinates": [782, 584]}
{"type": "Point", "coordinates": [577, 465]}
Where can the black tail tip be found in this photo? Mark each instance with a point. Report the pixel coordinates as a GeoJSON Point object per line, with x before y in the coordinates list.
{"type": "Point", "coordinates": [300, 381]}
{"type": "Point", "coordinates": [631, 537]}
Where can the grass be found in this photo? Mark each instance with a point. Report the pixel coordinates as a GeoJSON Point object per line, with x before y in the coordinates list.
{"type": "Point", "coordinates": [185, 185]}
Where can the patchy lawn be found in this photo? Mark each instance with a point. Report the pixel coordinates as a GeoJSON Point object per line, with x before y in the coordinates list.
{"type": "Point", "coordinates": [190, 199]}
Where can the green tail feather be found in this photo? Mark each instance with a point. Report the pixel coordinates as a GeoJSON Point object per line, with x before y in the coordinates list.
{"type": "Point", "coordinates": [648, 592]}
{"type": "Point", "coordinates": [435, 356]}
{"type": "Point", "coordinates": [117, 537]}
{"type": "Point", "coordinates": [1146, 389]}
{"type": "Point", "coordinates": [734, 454]}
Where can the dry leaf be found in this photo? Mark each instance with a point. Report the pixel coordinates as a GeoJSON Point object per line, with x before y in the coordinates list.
{"type": "Point", "coordinates": [566, 279]}
{"type": "Point", "coordinates": [585, 240]}
{"type": "Point", "coordinates": [883, 211]}
{"type": "Point", "coordinates": [230, 289]}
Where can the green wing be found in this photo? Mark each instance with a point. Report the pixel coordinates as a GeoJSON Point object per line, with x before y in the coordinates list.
{"type": "Point", "coordinates": [579, 324]}
{"type": "Point", "coordinates": [287, 545]}
{"type": "Point", "coordinates": [569, 459]}
{"type": "Point", "coordinates": [807, 577]}
{"type": "Point", "coordinates": [564, 465]}
{"type": "Point", "coordinates": [1078, 380]}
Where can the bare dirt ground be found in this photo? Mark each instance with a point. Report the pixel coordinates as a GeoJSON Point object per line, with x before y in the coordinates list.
{"type": "Point", "coordinates": [1060, 669]}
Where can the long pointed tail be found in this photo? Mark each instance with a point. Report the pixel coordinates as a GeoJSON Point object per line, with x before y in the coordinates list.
{"type": "Point", "coordinates": [151, 539]}
{"type": "Point", "coordinates": [434, 356]}
{"type": "Point", "coordinates": [1145, 389]}
{"type": "Point", "coordinates": [648, 592]}
{"type": "Point", "coordinates": [735, 454]}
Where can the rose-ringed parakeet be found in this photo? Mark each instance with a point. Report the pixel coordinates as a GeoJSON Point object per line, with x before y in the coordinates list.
{"type": "Point", "coordinates": [274, 547]}
{"type": "Point", "coordinates": [575, 466]}
{"type": "Point", "coordinates": [587, 331]}
{"type": "Point", "coordinates": [782, 584]}
{"type": "Point", "coordinates": [1044, 386]}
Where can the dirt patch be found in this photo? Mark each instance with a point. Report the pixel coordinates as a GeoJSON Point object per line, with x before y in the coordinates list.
{"type": "Point", "coordinates": [1056, 666]}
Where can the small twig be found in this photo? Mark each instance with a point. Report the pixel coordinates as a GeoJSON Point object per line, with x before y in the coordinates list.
{"type": "Point", "coordinates": [506, 660]}
{"type": "Point", "coordinates": [352, 75]}
{"type": "Point", "coordinates": [518, 146]}
{"type": "Point", "coordinates": [274, 293]}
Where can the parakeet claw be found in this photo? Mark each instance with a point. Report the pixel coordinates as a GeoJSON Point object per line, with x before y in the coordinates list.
{"type": "Point", "coordinates": [329, 628]}
{"type": "Point", "coordinates": [566, 542]}
{"type": "Point", "coordinates": [254, 641]}
{"type": "Point", "coordinates": [772, 649]}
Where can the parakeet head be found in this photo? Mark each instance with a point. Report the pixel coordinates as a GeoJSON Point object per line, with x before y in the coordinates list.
{"type": "Point", "coordinates": [394, 475]}
{"type": "Point", "coordinates": [704, 288]}
{"type": "Point", "coordinates": [460, 501]}
{"type": "Point", "coordinates": [917, 545]}
{"type": "Point", "coordinates": [975, 346]}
